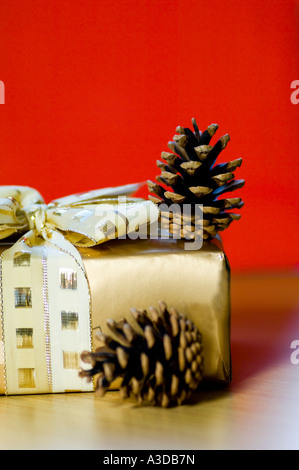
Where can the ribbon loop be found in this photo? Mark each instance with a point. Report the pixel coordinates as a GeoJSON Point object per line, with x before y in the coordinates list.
{"type": "Point", "coordinates": [36, 216]}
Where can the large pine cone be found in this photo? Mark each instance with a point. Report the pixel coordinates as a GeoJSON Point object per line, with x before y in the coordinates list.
{"type": "Point", "coordinates": [160, 360]}
{"type": "Point", "coordinates": [191, 177]}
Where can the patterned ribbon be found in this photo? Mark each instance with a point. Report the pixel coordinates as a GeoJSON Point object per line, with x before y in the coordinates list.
{"type": "Point", "coordinates": [44, 291]}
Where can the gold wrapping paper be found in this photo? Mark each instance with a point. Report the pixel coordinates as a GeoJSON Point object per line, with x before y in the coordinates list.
{"type": "Point", "coordinates": [127, 273]}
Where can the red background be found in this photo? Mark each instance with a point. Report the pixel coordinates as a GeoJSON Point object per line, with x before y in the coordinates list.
{"type": "Point", "coordinates": [95, 89]}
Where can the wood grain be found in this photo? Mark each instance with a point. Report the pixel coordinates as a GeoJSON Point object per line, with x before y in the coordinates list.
{"type": "Point", "coordinates": [260, 410]}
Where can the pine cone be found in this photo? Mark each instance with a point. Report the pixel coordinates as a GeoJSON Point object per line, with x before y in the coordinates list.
{"type": "Point", "coordinates": [160, 360]}
{"type": "Point", "coordinates": [193, 178]}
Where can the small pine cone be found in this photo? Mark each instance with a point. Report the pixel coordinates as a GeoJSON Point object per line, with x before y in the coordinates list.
{"type": "Point", "coordinates": [159, 360]}
{"type": "Point", "coordinates": [190, 176]}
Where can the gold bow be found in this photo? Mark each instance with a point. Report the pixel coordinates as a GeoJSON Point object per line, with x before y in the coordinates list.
{"type": "Point", "coordinates": [85, 219]}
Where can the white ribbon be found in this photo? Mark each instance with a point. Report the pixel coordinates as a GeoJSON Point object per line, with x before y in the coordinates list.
{"type": "Point", "coordinates": [38, 351]}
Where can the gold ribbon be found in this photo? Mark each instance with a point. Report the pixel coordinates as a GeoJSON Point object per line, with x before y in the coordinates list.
{"type": "Point", "coordinates": [43, 272]}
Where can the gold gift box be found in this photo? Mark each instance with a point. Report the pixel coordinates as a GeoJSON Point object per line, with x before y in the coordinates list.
{"type": "Point", "coordinates": [139, 273]}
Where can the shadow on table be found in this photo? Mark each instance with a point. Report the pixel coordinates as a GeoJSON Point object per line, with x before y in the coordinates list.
{"type": "Point", "coordinates": [208, 392]}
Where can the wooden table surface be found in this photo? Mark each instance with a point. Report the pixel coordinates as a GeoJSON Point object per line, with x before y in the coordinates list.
{"type": "Point", "coordinates": [259, 410]}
